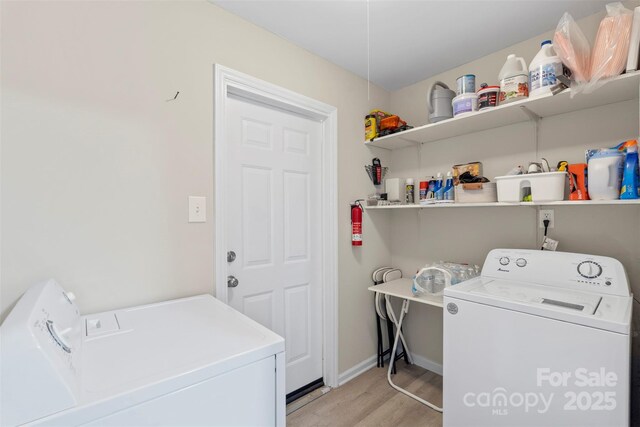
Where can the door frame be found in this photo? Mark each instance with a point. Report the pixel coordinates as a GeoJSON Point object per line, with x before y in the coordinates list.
{"type": "Point", "coordinates": [228, 81]}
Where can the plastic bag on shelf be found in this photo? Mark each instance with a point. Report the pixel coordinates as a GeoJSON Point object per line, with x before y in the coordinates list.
{"type": "Point", "coordinates": [434, 278]}
{"type": "Point", "coordinates": [611, 48]}
{"type": "Point", "coordinates": [574, 50]}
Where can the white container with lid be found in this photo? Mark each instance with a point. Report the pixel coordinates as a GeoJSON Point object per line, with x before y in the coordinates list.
{"type": "Point", "coordinates": [514, 80]}
{"type": "Point", "coordinates": [465, 104]}
{"type": "Point", "coordinates": [488, 97]}
{"type": "Point", "coordinates": [544, 68]}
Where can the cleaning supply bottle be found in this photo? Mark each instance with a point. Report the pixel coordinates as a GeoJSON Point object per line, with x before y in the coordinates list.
{"type": "Point", "coordinates": [438, 188]}
{"type": "Point", "coordinates": [544, 68]}
{"type": "Point", "coordinates": [514, 80]}
{"type": "Point", "coordinates": [431, 195]}
{"type": "Point", "coordinates": [448, 189]}
{"type": "Point", "coordinates": [629, 188]}
{"type": "Point", "coordinates": [409, 191]}
{"type": "Point", "coordinates": [424, 189]}
{"type": "Point", "coordinates": [578, 181]}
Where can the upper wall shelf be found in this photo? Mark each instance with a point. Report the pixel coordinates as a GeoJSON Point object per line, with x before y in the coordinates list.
{"type": "Point", "coordinates": [635, 202]}
{"type": "Point", "coordinates": [618, 89]}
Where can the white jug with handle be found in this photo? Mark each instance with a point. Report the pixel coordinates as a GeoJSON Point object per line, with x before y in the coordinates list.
{"type": "Point", "coordinates": [514, 80]}
{"type": "Point", "coordinates": [604, 174]}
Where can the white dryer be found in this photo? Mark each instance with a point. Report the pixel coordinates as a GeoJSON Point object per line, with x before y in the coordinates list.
{"type": "Point", "coordinates": [191, 361]}
{"type": "Point", "coordinates": [539, 339]}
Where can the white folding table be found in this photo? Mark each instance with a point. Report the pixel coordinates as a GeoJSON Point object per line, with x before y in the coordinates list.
{"type": "Point", "coordinates": [401, 288]}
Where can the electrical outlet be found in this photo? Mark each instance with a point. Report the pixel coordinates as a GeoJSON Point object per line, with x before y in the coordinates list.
{"type": "Point", "coordinates": [545, 214]}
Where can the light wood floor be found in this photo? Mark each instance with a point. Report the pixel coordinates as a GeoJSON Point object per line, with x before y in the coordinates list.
{"type": "Point", "coordinates": [369, 400]}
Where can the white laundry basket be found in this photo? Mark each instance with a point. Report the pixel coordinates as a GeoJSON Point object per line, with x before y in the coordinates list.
{"type": "Point", "coordinates": [544, 187]}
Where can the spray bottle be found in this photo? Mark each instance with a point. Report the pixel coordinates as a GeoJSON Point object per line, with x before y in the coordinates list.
{"type": "Point", "coordinates": [409, 192]}
{"type": "Point", "coordinates": [449, 189]}
{"type": "Point", "coordinates": [439, 189]}
{"type": "Point", "coordinates": [431, 195]}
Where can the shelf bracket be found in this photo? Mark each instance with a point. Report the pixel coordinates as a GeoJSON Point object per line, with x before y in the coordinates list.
{"type": "Point", "coordinates": [535, 119]}
{"type": "Point", "coordinates": [530, 114]}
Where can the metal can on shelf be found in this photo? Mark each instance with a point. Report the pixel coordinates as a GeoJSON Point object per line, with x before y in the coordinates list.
{"type": "Point", "coordinates": [466, 84]}
{"type": "Point", "coordinates": [424, 189]}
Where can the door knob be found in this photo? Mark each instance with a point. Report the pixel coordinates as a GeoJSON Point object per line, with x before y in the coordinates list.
{"type": "Point", "coordinates": [232, 282]}
{"type": "Point", "coordinates": [231, 256]}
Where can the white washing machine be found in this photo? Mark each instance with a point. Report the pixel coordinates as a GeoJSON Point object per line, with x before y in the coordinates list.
{"type": "Point", "coordinates": [191, 361]}
{"type": "Point", "coordinates": [539, 339]}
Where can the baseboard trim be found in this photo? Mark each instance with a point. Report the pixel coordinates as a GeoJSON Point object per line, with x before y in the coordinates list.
{"type": "Point", "coordinates": [356, 370]}
{"type": "Point", "coordinates": [370, 362]}
{"type": "Point", "coordinates": [427, 364]}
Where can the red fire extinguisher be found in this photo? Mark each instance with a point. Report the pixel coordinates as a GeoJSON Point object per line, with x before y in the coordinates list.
{"type": "Point", "coordinates": [356, 223]}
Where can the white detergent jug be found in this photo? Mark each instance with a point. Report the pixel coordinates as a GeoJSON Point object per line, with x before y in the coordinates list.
{"type": "Point", "coordinates": [605, 174]}
{"type": "Point", "coordinates": [544, 68]}
{"type": "Point", "coordinates": [514, 80]}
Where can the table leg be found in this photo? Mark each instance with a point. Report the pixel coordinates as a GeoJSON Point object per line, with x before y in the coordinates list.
{"type": "Point", "coordinates": [399, 336]}
{"type": "Point", "coordinates": [392, 316]}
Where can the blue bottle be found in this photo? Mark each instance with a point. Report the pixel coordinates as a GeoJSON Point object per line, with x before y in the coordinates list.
{"type": "Point", "coordinates": [438, 189]}
{"type": "Point", "coordinates": [448, 189]}
{"type": "Point", "coordinates": [629, 187]}
{"type": "Point", "coordinates": [431, 191]}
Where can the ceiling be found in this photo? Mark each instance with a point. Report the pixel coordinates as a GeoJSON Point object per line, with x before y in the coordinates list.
{"type": "Point", "coordinates": [409, 40]}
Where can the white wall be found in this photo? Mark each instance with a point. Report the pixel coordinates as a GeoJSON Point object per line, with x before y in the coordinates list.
{"type": "Point", "coordinates": [97, 167]}
{"type": "Point", "coordinates": [468, 234]}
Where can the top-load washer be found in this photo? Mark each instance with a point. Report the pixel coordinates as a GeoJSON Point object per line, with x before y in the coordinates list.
{"type": "Point", "coordinates": [191, 361]}
{"type": "Point", "coordinates": [539, 339]}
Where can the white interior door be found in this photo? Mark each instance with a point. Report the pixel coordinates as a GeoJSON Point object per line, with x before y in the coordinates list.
{"type": "Point", "coordinates": [273, 225]}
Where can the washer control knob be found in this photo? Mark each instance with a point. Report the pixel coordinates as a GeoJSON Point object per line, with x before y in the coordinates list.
{"type": "Point", "coordinates": [589, 269]}
{"type": "Point", "coordinates": [504, 260]}
{"type": "Point", "coordinates": [58, 336]}
{"type": "Point", "coordinates": [521, 262]}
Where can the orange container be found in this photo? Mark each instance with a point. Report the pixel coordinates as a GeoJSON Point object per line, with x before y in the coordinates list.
{"type": "Point", "coordinates": [390, 122]}
{"type": "Point", "coordinates": [578, 182]}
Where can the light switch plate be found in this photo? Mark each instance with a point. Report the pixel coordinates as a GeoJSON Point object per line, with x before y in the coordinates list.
{"type": "Point", "coordinates": [197, 209]}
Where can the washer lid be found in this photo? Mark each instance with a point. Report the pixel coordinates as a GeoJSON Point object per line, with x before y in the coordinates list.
{"type": "Point", "coordinates": [544, 296]}
{"type": "Point", "coordinates": [586, 308]}
{"type": "Point", "coordinates": [159, 343]}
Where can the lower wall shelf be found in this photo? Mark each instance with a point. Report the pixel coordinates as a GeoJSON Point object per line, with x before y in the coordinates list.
{"type": "Point", "coordinates": [635, 202]}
